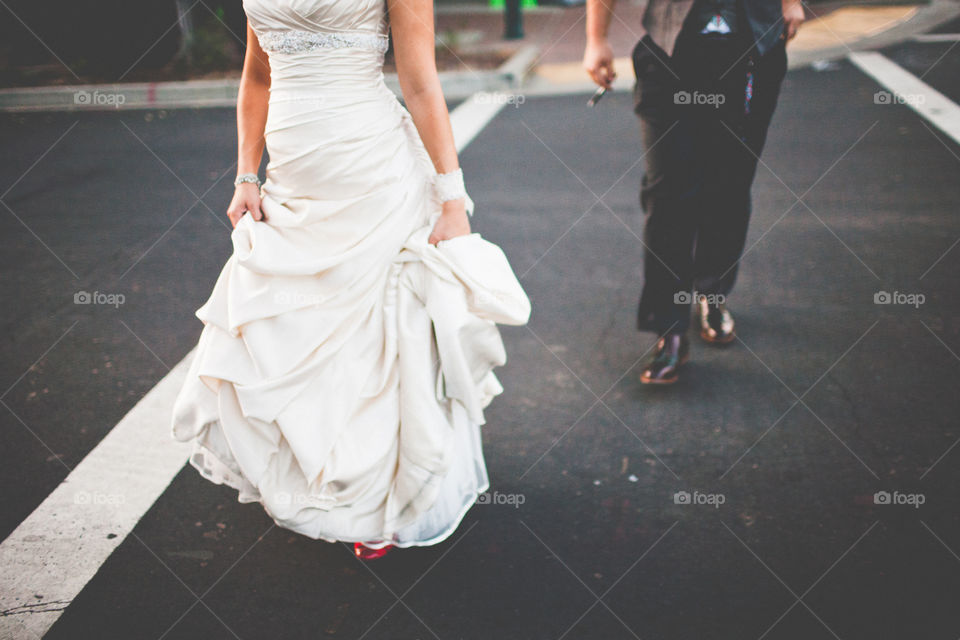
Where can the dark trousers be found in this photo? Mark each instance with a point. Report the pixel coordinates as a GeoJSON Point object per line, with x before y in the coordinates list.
{"type": "Point", "coordinates": [701, 139]}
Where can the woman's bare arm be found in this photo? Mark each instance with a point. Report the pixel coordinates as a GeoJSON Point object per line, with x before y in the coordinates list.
{"type": "Point", "coordinates": [413, 41]}
{"type": "Point", "coordinates": [252, 103]}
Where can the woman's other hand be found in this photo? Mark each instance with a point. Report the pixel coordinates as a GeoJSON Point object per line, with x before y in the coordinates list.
{"type": "Point", "coordinates": [246, 197]}
{"type": "Point", "coordinates": [453, 222]}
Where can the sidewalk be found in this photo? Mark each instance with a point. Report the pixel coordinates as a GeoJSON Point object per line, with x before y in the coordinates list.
{"type": "Point", "coordinates": [546, 60]}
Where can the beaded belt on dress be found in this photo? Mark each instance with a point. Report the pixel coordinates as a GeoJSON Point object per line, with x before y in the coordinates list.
{"type": "Point", "coordinates": [293, 41]}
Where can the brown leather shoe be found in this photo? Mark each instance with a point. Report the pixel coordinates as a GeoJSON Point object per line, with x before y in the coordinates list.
{"type": "Point", "coordinates": [716, 323]}
{"type": "Point", "coordinates": [673, 350]}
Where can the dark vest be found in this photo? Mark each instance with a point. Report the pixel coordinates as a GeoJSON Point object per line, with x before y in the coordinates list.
{"type": "Point", "coordinates": [763, 20]}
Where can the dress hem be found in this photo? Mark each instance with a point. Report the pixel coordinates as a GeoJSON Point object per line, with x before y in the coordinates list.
{"type": "Point", "coordinates": [226, 478]}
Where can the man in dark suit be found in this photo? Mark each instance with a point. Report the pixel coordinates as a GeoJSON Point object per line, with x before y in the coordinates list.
{"type": "Point", "coordinates": [708, 74]}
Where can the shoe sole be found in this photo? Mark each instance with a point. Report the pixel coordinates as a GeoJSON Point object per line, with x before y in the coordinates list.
{"type": "Point", "coordinates": [666, 381]}
{"type": "Point", "coordinates": [706, 338]}
{"type": "Point", "coordinates": [659, 381]}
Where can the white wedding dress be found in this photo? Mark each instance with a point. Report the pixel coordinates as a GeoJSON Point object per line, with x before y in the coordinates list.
{"type": "Point", "coordinates": [344, 364]}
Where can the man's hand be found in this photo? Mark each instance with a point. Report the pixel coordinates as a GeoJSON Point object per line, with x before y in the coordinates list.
{"type": "Point", "coordinates": [793, 17]}
{"type": "Point", "coordinates": [598, 61]}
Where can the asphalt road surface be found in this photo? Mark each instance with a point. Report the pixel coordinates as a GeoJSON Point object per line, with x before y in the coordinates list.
{"type": "Point", "coordinates": [784, 437]}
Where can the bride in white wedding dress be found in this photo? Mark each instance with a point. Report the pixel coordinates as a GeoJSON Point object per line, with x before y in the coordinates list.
{"type": "Point", "coordinates": [348, 345]}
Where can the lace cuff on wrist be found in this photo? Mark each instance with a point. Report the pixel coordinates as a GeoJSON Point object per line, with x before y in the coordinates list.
{"type": "Point", "coordinates": [449, 186]}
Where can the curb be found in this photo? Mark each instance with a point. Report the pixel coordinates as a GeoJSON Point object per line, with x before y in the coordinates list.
{"type": "Point", "coordinates": [110, 97]}
{"type": "Point", "coordinates": [457, 85]}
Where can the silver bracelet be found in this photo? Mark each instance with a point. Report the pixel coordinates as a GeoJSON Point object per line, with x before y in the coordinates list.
{"type": "Point", "coordinates": [247, 177]}
{"type": "Point", "coordinates": [449, 186]}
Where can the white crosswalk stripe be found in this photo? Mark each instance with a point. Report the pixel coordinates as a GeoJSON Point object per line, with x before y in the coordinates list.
{"type": "Point", "coordinates": [903, 87]}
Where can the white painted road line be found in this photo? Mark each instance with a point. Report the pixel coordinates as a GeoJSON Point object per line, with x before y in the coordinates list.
{"type": "Point", "coordinates": [473, 114]}
{"type": "Point", "coordinates": [49, 558]}
{"type": "Point", "coordinates": [936, 37]}
{"type": "Point", "coordinates": [907, 88]}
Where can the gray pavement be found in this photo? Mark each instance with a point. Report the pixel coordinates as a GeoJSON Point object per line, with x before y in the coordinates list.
{"type": "Point", "coordinates": [826, 400]}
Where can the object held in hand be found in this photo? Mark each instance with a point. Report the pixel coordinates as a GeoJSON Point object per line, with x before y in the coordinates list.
{"type": "Point", "coordinates": [595, 98]}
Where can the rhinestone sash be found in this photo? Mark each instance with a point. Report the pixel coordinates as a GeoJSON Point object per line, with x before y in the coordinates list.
{"type": "Point", "coordinates": [293, 41]}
